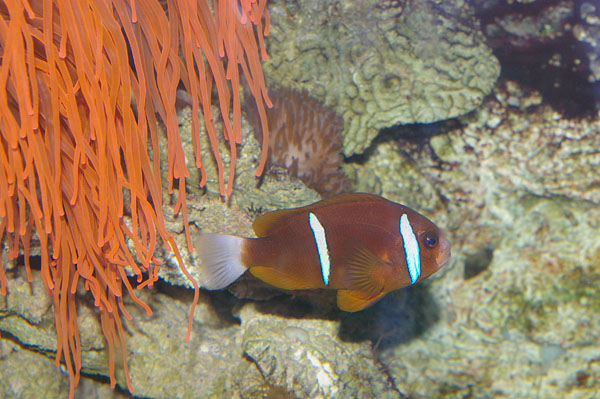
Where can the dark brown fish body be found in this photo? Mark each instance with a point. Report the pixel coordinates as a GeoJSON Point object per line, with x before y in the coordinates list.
{"type": "Point", "coordinates": [358, 244]}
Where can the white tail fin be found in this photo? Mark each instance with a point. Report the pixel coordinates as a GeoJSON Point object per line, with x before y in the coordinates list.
{"type": "Point", "coordinates": [220, 259]}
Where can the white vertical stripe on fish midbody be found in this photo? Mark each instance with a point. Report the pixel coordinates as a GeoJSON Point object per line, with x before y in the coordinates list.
{"type": "Point", "coordinates": [319, 235]}
{"type": "Point", "coordinates": [411, 248]}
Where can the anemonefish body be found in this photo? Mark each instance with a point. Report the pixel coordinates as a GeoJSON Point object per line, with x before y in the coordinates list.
{"type": "Point", "coordinates": [361, 245]}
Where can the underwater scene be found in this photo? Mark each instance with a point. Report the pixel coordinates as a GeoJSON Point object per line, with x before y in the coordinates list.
{"type": "Point", "coordinates": [300, 199]}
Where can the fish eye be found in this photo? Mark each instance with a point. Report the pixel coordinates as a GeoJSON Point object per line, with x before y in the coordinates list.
{"type": "Point", "coordinates": [431, 239]}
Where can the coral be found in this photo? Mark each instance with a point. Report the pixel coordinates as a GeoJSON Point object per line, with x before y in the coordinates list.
{"type": "Point", "coordinates": [515, 144]}
{"type": "Point", "coordinates": [379, 63]}
{"type": "Point", "coordinates": [77, 155]}
{"type": "Point", "coordinates": [305, 139]}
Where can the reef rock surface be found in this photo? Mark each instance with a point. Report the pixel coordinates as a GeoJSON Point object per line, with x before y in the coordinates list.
{"type": "Point", "coordinates": [380, 63]}
{"type": "Point", "coordinates": [516, 186]}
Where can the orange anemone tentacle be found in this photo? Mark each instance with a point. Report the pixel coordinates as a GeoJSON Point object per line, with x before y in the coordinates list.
{"type": "Point", "coordinates": [81, 86]}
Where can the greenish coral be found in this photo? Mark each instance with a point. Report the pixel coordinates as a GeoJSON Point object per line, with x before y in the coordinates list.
{"type": "Point", "coordinates": [381, 63]}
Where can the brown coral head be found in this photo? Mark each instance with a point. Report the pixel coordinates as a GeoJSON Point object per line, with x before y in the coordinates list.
{"type": "Point", "coordinates": [305, 138]}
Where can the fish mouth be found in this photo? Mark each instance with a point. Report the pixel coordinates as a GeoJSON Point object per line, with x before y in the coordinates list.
{"type": "Point", "coordinates": [443, 256]}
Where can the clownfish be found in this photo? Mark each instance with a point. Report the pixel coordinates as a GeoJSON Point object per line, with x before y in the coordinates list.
{"type": "Point", "coordinates": [361, 245]}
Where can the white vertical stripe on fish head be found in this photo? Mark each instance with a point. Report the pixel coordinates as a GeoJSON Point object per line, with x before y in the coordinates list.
{"type": "Point", "coordinates": [411, 248]}
{"type": "Point", "coordinates": [322, 249]}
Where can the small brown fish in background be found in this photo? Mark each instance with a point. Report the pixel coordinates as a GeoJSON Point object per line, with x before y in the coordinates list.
{"type": "Point", "coordinates": [361, 245]}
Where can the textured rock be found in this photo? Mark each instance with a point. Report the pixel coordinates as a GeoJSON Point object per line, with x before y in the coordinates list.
{"type": "Point", "coordinates": [392, 173]}
{"type": "Point", "coordinates": [307, 357]}
{"type": "Point", "coordinates": [161, 363]}
{"type": "Point", "coordinates": [528, 323]}
{"type": "Point", "coordinates": [587, 32]}
{"type": "Point", "coordinates": [513, 145]}
{"type": "Point", "coordinates": [25, 374]}
{"type": "Point", "coordinates": [518, 190]}
{"type": "Point", "coordinates": [379, 63]}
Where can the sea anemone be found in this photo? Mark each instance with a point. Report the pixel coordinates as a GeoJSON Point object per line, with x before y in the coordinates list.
{"type": "Point", "coordinates": [81, 83]}
{"type": "Point", "coordinates": [305, 138]}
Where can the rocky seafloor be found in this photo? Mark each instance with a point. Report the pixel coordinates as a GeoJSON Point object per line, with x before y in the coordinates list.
{"type": "Point", "coordinates": [516, 313]}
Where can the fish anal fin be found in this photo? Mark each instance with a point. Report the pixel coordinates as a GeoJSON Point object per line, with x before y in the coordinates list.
{"type": "Point", "coordinates": [280, 279]}
{"type": "Point", "coordinates": [364, 271]}
{"type": "Point", "coordinates": [353, 301]}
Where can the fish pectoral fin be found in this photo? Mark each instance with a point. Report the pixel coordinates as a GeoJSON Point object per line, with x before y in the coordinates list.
{"type": "Point", "coordinates": [353, 301]}
{"type": "Point", "coordinates": [280, 279]}
{"type": "Point", "coordinates": [364, 271]}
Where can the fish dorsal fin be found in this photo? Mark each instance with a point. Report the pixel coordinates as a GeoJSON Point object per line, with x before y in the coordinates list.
{"type": "Point", "coordinates": [265, 224]}
{"type": "Point", "coordinates": [353, 301]}
{"type": "Point", "coordinates": [269, 222]}
{"type": "Point", "coordinates": [280, 279]}
{"type": "Point", "coordinates": [362, 266]}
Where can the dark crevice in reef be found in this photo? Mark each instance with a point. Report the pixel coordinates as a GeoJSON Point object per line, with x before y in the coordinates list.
{"type": "Point", "coordinates": [417, 133]}
{"type": "Point", "coordinates": [549, 59]}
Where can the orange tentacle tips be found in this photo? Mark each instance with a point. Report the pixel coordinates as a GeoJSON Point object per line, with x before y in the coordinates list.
{"type": "Point", "coordinates": [81, 84]}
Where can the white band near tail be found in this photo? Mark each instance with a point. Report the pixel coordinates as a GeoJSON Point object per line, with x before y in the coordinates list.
{"type": "Point", "coordinates": [319, 234]}
{"type": "Point", "coordinates": [411, 248]}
